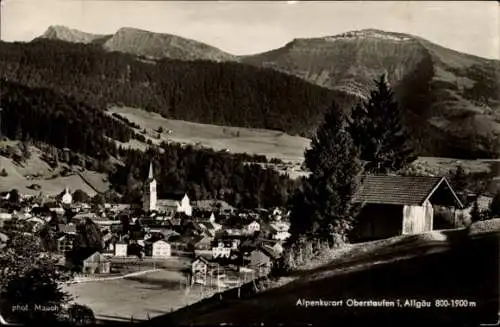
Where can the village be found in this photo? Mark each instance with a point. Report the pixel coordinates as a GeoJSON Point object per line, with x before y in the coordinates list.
{"type": "Point", "coordinates": [217, 242]}
{"type": "Point", "coordinates": [193, 250]}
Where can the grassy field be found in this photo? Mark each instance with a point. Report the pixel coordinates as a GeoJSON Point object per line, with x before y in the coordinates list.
{"type": "Point", "coordinates": [150, 294]}
{"type": "Point", "coordinates": [142, 296]}
{"type": "Point", "coordinates": [273, 144]}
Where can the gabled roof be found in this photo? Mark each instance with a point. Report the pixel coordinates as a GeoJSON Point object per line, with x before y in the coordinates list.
{"type": "Point", "coordinates": [212, 226]}
{"type": "Point", "coordinates": [167, 203]}
{"type": "Point", "coordinates": [96, 257]}
{"type": "Point", "coordinates": [200, 258]}
{"type": "Point", "coordinates": [400, 190]}
{"type": "Point", "coordinates": [160, 242]}
{"type": "Point", "coordinates": [174, 196]}
{"type": "Point", "coordinates": [67, 228]}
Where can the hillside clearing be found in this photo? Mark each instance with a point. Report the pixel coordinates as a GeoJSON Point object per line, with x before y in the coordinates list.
{"type": "Point", "coordinates": [35, 171]}
{"type": "Point", "coordinates": [272, 144]}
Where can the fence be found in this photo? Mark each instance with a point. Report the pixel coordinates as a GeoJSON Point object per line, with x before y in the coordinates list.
{"type": "Point", "coordinates": [82, 278]}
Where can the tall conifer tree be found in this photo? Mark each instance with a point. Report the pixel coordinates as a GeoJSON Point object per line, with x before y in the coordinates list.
{"type": "Point", "coordinates": [377, 129]}
{"type": "Point", "coordinates": [323, 205]}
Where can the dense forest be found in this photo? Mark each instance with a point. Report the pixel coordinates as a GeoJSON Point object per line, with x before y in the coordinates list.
{"type": "Point", "coordinates": [200, 91]}
{"type": "Point", "coordinates": [41, 115]}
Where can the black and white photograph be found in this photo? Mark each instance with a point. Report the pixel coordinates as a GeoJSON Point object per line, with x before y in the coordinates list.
{"type": "Point", "coordinates": [249, 163]}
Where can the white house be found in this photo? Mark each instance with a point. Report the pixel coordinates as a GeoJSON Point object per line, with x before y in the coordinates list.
{"type": "Point", "coordinates": [278, 248]}
{"type": "Point", "coordinates": [281, 236]}
{"type": "Point", "coordinates": [185, 206]}
{"type": "Point", "coordinates": [120, 249]}
{"type": "Point", "coordinates": [221, 251]}
{"type": "Point", "coordinates": [253, 227]}
{"type": "Point", "coordinates": [4, 217]}
{"type": "Point", "coordinates": [66, 198]}
{"type": "Point", "coordinates": [65, 244]}
{"type": "Point", "coordinates": [161, 249]}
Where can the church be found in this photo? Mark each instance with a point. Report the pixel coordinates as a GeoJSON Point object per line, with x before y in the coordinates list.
{"type": "Point", "coordinates": [176, 203]}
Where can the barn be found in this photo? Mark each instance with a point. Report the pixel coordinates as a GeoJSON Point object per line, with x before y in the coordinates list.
{"type": "Point", "coordinates": [402, 205]}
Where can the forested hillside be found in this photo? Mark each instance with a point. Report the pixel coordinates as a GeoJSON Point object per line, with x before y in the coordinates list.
{"type": "Point", "coordinates": [200, 91]}
{"type": "Point", "coordinates": [42, 115]}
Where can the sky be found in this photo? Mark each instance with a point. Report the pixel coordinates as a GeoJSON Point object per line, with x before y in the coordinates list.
{"type": "Point", "coordinates": [246, 27]}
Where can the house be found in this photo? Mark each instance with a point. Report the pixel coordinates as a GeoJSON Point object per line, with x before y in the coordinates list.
{"type": "Point", "coordinates": [120, 249]}
{"type": "Point", "coordinates": [202, 242]}
{"type": "Point", "coordinates": [199, 269]}
{"type": "Point", "coordinates": [67, 228]}
{"type": "Point", "coordinates": [278, 248]}
{"type": "Point", "coordinates": [281, 235]}
{"type": "Point", "coordinates": [253, 227]}
{"type": "Point", "coordinates": [161, 249]}
{"type": "Point", "coordinates": [107, 242]}
{"type": "Point", "coordinates": [213, 205]}
{"type": "Point", "coordinates": [65, 244]}
{"type": "Point", "coordinates": [211, 226]}
{"type": "Point", "coordinates": [175, 203]}
{"type": "Point", "coordinates": [402, 205]}
{"type": "Point", "coordinates": [278, 230]}
{"type": "Point", "coordinates": [96, 263]}
{"type": "Point", "coordinates": [66, 198]}
{"type": "Point", "coordinates": [262, 259]}
{"type": "Point", "coordinates": [4, 217]}
{"type": "Point", "coordinates": [55, 207]}
{"type": "Point", "coordinates": [3, 240]}
{"type": "Point", "coordinates": [221, 251]}
{"type": "Point", "coordinates": [192, 228]}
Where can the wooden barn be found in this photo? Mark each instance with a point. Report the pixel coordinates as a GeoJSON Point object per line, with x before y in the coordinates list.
{"type": "Point", "coordinates": [401, 205]}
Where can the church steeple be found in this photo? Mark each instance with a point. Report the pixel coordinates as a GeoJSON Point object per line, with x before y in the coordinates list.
{"type": "Point", "coordinates": [149, 195]}
{"type": "Point", "coordinates": [150, 174]}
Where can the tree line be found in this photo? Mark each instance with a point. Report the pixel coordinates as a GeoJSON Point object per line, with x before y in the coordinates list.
{"type": "Point", "coordinates": [202, 174]}
{"type": "Point", "coordinates": [201, 91]}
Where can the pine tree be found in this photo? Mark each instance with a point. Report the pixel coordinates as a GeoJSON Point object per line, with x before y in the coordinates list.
{"type": "Point", "coordinates": [458, 179]}
{"type": "Point", "coordinates": [323, 207]}
{"type": "Point", "coordinates": [377, 129]}
{"type": "Point", "coordinates": [494, 208]}
{"type": "Point", "coordinates": [476, 214]}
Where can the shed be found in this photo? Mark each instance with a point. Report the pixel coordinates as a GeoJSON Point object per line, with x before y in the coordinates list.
{"type": "Point", "coordinates": [262, 259]}
{"type": "Point", "coordinates": [401, 205]}
{"type": "Point", "coordinates": [96, 263]}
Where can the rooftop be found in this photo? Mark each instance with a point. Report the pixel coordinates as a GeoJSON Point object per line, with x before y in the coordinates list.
{"type": "Point", "coordinates": [402, 190]}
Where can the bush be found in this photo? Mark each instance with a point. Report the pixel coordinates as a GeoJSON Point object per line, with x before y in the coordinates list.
{"type": "Point", "coordinates": [81, 315]}
{"type": "Point", "coordinates": [3, 173]}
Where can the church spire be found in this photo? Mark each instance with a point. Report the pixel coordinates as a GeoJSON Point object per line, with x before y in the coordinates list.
{"type": "Point", "coordinates": [150, 175]}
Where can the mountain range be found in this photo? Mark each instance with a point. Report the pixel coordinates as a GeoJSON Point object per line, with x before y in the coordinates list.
{"type": "Point", "coordinates": [142, 43]}
{"type": "Point", "coordinates": [450, 99]}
